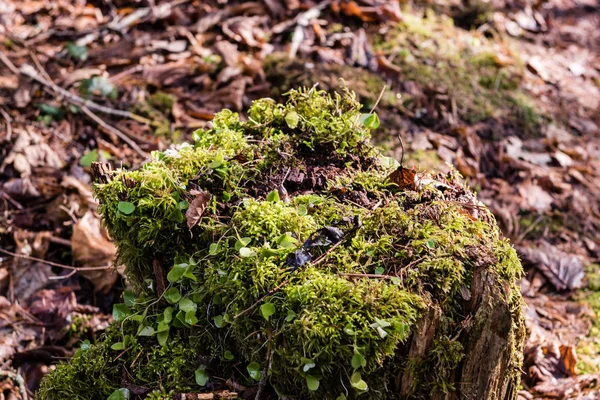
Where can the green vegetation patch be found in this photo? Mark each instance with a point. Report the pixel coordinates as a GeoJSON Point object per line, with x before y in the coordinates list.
{"type": "Point", "coordinates": [279, 246]}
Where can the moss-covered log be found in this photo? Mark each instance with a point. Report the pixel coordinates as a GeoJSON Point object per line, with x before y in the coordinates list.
{"type": "Point", "coordinates": [284, 256]}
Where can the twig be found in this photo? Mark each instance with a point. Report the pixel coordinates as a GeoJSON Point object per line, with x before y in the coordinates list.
{"type": "Point", "coordinates": [265, 372]}
{"type": "Point", "coordinates": [374, 276]}
{"type": "Point", "coordinates": [257, 302]}
{"type": "Point", "coordinates": [378, 99]}
{"type": "Point", "coordinates": [8, 125]}
{"type": "Point", "coordinates": [6, 61]}
{"type": "Point", "coordinates": [530, 228]}
{"type": "Point", "coordinates": [32, 73]}
{"type": "Point", "coordinates": [113, 130]}
{"type": "Point", "coordinates": [53, 264]}
{"type": "Point", "coordinates": [402, 156]}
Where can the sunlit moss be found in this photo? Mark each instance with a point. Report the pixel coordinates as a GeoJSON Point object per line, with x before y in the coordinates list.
{"type": "Point", "coordinates": [233, 305]}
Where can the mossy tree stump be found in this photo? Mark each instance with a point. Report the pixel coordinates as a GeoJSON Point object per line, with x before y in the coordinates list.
{"type": "Point", "coordinates": [283, 256]}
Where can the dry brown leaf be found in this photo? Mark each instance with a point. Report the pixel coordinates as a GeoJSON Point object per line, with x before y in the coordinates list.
{"type": "Point", "coordinates": [92, 248]}
{"type": "Point", "coordinates": [564, 271]}
{"type": "Point", "coordinates": [197, 207]}
{"type": "Point", "coordinates": [403, 177]}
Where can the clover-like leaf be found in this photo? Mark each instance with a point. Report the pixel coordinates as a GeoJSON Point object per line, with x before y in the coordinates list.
{"type": "Point", "coordinates": [172, 295]}
{"type": "Point", "coordinates": [266, 310]}
{"type": "Point", "coordinates": [126, 207]}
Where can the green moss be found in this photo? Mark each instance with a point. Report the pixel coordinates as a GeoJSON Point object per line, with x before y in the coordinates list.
{"type": "Point", "coordinates": [480, 76]}
{"type": "Point", "coordinates": [588, 349]}
{"type": "Point", "coordinates": [234, 305]}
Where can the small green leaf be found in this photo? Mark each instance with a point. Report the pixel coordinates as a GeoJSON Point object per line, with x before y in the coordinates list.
{"type": "Point", "coordinates": [430, 243]}
{"type": "Point", "coordinates": [286, 241]}
{"type": "Point", "coordinates": [172, 295]}
{"type": "Point", "coordinates": [358, 360]}
{"type": "Point", "coordinates": [187, 305]}
{"type": "Point", "coordinates": [217, 162]}
{"type": "Point", "coordinates": [382, 323]}
{"type": "Point", "coordinates": [118, 346]}
{"type": "Point", "coordinates": [266, 310]}
{"type": "Point", "coordinates": [273, 196]}
{"type": "Point", "coordinates": [228, 355]}
{"type": "Point", "coordinates": [292, 119]}
{"type": "Point", "coordinates": [254, 370]}
{"type": "Point", "coordinates": [85, 345]}
{"type": "Point", "coordinates": [379, 271]}
{"type": "Point", "coordinates": [213, 249]}
{"type": "Point", "coordinates": [341, 397]}
{"type": "Point", "coordinates": [190, 318]}
{"type": "Point", "coordinates": [168, 315]}
{"type": "Point", "coordinates": [146, 331]}
{"type": "Point", "coordinates": [162, 337]}
{"type": "Point", "coordinates": [308, 366]}
{"type": "Point", "coordinates": [357, 382]}
{"type": "Point", "coordinates": [162, 327]}
{"type": "Point", "coordinates": [77, 52]}
{"type": "Point", "coordinates": [120, 311]}
{"type": "Point", "coordinates": [98, 86]}
{"type": "Point", "coordinates": [176, 273]}
{"type": "Point", "coordinates": [119, 394]}
{"type": "Point", "coordinates": [88, 158]}
{"type": "Point", "coordinates": [290, 316]}
{"type": "Point", "coordinates": [243, 242]}
{"type": "Point", "coordinates": [247, 252]}
{"type": "Point", "coordinates": [128, 298]}
{"type": "Point", "coordinates": [201, 376]}
{"type": "Point", "coordinates": [370, 121]}
{"type": "Point", "coordinates": [126, 207]}
{"type": "Point", "coordinates": [219, 322]}
{"type": "Point", "coordinates": [312, 383]}
{"type": "Point", "coordinates": [302, 210]}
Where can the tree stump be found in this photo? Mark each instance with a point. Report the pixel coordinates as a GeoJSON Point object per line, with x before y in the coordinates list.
{"type": "Point", "coordinates": [286, 257]}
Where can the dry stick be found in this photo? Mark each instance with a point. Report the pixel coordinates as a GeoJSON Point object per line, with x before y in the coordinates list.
{"type": "Point", "coordinates": [9, 64]}
{"type": "Point", "coordinates": [378, 99]}
{"type": "Point", "coordinates": [53, 264]}
{"type": "Point", "coordinates": [8, 125]}
{"type": "Point", "coordinates": [374, 276]}
{"type": "Point", "coordinates": [85, 106]}
{"type": "Point", "coordinates": [31, 72]}
{"type": "Point", "coordinates": [113, 130]}
{"type": "Point", "coordinates": [265, 372]}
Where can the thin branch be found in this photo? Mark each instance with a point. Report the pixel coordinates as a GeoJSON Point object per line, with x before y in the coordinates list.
{"type": "Point", "coordinates": [114, 131]}
{"type": "Point", "coordinates": [378, 99]}
{"type": "Point", "coordinates": [32, 73]}
{"type": "Point", "coordinates": [6, 61]}
{"type": "Point", "coordinates": [53, 264]}
{"type": "Point", "coordinates": [8, 124]}
{"type": "Point", "coordinates": [372, 276]}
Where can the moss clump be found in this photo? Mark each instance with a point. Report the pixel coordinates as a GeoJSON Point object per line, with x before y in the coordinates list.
{"type": "Point", "coordinates": [307, 264]}
{"type": "Point", "coordinates": [588, 349]}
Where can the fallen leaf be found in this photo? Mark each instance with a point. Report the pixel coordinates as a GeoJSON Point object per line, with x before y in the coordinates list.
{"type": "Point", "coordinates": [564, 271]}
{"type": "Point", "coordinates": [403, 177]}
{"type": "Point", "coordinates": [92, 248]}
{"type": "Point", "coordinates": [197, 208]}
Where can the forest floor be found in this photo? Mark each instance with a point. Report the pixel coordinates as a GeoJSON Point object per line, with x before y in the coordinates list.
{"type": "Point", "coordinates": [507, 92]}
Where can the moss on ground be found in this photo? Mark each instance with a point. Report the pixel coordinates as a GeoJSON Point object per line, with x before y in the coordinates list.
{"type": "Point", "coordinates": [253, 284]}
{"type": "Point", "coordinates": [439, 68]}
{"type": "Point", "coordinates": [588, 349]}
